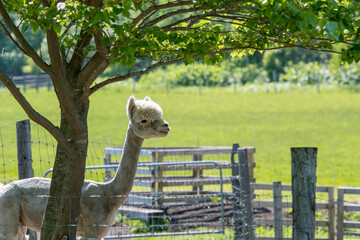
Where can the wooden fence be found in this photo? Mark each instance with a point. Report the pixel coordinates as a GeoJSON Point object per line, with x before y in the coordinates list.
{"type": "Point", "coordinates": [156, 181]}
{"type": "Point", "coordinates": [279, 206]}
{"type": "Point", "coordinates": [161, 177]}
{"type": "Point", "coordinates": [33, 81]}
{"type": "Point", "coordinates": [342, 207]}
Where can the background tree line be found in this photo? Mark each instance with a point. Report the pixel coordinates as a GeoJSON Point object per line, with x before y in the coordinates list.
{"type": "Point", "coordinates": [297, 66]}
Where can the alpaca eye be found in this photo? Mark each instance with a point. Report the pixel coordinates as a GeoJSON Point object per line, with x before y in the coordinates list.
{"type": "Point", "coordinates": [144, 121]}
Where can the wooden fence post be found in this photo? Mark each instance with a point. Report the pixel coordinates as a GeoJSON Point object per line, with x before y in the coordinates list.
{"type": "Point", "coordinates": [37, 83]}
{"type": "Point", "coordinates": [154, 170]}
{"type": "Point", "coordinates": [49, 84]}
{"type": "Point", "coordinates": [246, 194]}
{"type": "Point", "coordinates": [197, 174]}
{"type": "Point", "coordinates": [243, 221]}
{"type": "Point", "coordinates": [340, 214]}
{"type": "Point", "coordinates": [235, 181]}
{"type": "Point", "coordinates": [24, 149]}
{"type": "Point", "coordinates": [303, 173]}
{"type": "Point", "coordinates": [278, 220]}
{"type": "Point", "coordinates": [25, 170]}
{"type": "Point", "coordinates": [160, 178]}
{"type": "Point", "coordinates": [331, 212]}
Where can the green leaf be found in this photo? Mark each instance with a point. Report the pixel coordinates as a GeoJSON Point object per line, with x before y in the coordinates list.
{"type": "Point", "coordinates": [188, 59]}
{"type": "Point", "coordinates": [208, 60]}
{"type": "Point", "coordinates": [346, 56]}
{"type": "Point", "coordinates": [57, 28]}
{"type": "Point", "coordinates": [326, 45]}
{"type": "Point", "coordinates": [357, 37]}
{"type": "Point", "coordinates": [333, 4]}
{"type": "Point", "coordinates": [127, 57]}
{"type": "Point", "coordinates": [310, 17]}
{"type": "Point", "coordinates": [238, 53]}
{"type": "Point", "coordinates": [126, 13]}
{"type": "Point", "coordinates": [333, 29]}
{"type": "Point", "coordinates": [331, 26]}
{"type": "Point", "coordinates": [117, 10]}
{"type": "Point", "coordinates": [173, 37]}
{"type": "Point", "coordinates": [35, 26]}
{"type": "Point", "coordinates": [356, 52]}
{"type": "Point", "coordinates": [108, 40]}
{"type": "Point", "coordinates": [322, 22]}
{"type": "Point", "coordinates": [293, 8]}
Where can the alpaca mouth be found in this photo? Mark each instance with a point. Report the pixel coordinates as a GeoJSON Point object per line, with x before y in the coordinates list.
{"type": "Point", "coordinates": [164, 132]}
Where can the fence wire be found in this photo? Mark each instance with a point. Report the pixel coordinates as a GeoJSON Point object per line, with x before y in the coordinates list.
{"type": "Point", "coordinates": [170, 200]}
{"type": "Point", "coordinates": [43, 150]}
{"type": "Point", "coordinates": [8, 157]}
{"type": "Point", "coordinates": [175, 221]}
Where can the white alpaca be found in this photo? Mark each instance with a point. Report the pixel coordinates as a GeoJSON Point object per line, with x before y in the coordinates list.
{"type": "Point", "coordinates": [22, 202]}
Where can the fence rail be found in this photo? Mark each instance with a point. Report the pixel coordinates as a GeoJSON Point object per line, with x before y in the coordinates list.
{"type": "Point", "coordinates": [168, 175]}
{"type": "Point", "coordinates": [157, 215]}
{"type": "Point", "coordinates": [327, 206]}
{"type": "Point", "coordinates": [277, 220]}
{"type": "Point", "coordinates": [342, 207]}
{"type": "Point", "coordinates": [33, 81]}
{"type": "Point", "coordinates": [179, 191]}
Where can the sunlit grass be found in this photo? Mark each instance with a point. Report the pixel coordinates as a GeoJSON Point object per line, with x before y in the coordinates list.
{"type": "Point", "coordinates": [271, 122]}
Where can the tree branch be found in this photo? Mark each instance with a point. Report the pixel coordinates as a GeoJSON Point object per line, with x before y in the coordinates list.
{"type": "Point", "coordinates": [197, 17]}
{"type": "Point", "coordinates": [172, 14]}
{"type": "Point", "coordinates": [192, 18]}
{"type": "Point", "coordinates": [97, 72]}
{"type": "Point", "coordinates": [132, 74]}
{"type": "Point", "coordinates": [159, 7]}
{"type": "Point", "coordinates": [26, 48]}
{"type": "Point", "coordinates": [92, 78]}
{"type": "Point", "coordinates": [61, 84]}
{"type": "Point", "coordinates": [34, 115]}
{"type": "Point", "coordinates": [285, 45]}
{"type": "Point", "coordinates": [8, 34]}
{"type": "Point", "coordinates": [78, 57]}
{"type": "Point", "coordinates": [95, 62]}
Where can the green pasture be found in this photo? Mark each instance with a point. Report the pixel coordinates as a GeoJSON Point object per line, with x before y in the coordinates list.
{"type": "Point", "coordinates": [272, 122]}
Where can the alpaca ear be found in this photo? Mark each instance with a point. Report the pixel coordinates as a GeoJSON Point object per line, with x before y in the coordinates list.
{"type": "Point", "coordinates": [147, 98]}
{"type": "Point", "coordinates": [130, 107]}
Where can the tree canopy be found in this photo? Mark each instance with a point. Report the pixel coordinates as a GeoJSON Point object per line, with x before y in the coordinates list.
{"type": "Point", "coordinates": [84, 37]}
{"type": "Point", "coordinates": [170, 31]}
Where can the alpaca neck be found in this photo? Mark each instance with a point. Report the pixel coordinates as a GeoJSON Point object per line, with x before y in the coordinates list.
{"type": "Point", "coordinates": [122, 183]}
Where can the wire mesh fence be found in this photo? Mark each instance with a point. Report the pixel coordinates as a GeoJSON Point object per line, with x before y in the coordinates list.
{"type": "Point", "coordinates": [348, 206]}
{"type": "Point", "coordinates": [197, 220]}
{"type": "Point", "coordinates": [268, 221]}
{"type": "Point", "coordinates": [178, 193]}
{"type": "Point", "coordinates": [43, 150]}
{"type": "Point", "coordinates": [8, 158]}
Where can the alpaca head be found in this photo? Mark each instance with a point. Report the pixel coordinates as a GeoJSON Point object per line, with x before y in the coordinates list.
{"type": "Point", "coordinates": [146, 118]}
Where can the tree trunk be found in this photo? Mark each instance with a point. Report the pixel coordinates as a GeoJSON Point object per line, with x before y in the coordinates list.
{"type": "Point", "coordinates": [63, 205]}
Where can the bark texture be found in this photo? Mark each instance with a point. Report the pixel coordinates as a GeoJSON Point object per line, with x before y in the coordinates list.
{"type": "Point", "coordinates": [64, 197]}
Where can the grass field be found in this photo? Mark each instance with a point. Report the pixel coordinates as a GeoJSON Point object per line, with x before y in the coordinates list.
{"type": "Point", "coordinates": [271, 122]}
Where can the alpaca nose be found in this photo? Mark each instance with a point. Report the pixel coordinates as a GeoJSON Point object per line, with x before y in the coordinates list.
{"type": "Point", "coordinates": [166, 124]}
